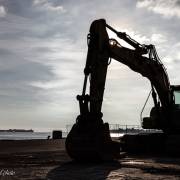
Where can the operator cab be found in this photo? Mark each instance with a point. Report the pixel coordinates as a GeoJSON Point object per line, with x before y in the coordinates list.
{"type": "Point", "coordinates": [175, 92]}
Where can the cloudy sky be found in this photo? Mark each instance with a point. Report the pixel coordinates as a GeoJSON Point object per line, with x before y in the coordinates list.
{"type": "Point", "coordinates": [43, 51]}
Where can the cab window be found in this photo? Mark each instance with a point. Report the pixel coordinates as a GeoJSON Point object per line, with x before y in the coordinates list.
{"type": "Point", "coordinates": [177, 97]}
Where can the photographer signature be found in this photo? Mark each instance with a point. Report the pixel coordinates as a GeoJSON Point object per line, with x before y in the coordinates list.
{"type": "Point", "coordinates": [6, 172]}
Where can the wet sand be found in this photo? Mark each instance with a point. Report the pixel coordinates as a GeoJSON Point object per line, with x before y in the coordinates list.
{"type": "Point", "coordinates": [47, 159]}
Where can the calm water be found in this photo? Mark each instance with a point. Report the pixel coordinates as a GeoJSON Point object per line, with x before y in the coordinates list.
{"type": "Point", "coordinates": [26, 135]}
{"type": "Point", "coordinates": [34, 135]}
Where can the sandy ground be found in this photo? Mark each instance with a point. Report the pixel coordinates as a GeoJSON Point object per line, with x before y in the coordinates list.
{"type": "Point", "coordinates": [47, 159]}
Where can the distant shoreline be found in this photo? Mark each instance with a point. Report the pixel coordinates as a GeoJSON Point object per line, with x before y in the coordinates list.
{"type": "Point", "coordinates": [17, 130]}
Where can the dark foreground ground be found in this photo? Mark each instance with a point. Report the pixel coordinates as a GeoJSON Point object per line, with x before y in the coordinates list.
{"type": "Point", "coordinates": [47, 159]}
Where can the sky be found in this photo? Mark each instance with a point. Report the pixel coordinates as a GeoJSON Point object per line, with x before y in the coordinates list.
{"type": "Point", "coordinates": [43, 50]}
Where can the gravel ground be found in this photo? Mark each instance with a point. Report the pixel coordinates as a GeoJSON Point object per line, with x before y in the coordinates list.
{"type": "Point", "coordinates": [47, 159]}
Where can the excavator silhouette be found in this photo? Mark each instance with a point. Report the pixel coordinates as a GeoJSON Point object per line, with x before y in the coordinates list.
{"type": "Point", "coordinates": [89, 138]}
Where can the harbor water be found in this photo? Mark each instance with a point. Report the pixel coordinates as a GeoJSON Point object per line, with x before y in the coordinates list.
{"type": "Point", "coordinates": [35, 135]}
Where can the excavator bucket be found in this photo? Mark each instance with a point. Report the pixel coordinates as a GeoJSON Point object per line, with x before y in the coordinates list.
{"type": "Point", "coordinates": [91, 142]}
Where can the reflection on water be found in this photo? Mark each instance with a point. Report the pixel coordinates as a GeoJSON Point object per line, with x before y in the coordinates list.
{"type": "Point", "coordinates": [117, 134]}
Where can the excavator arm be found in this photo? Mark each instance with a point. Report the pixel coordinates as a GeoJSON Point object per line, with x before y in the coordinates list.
{"type": "Point", "coordinates": [89, 138]}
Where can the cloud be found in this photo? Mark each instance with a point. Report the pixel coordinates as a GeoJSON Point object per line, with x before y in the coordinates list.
{"type": "Point", "coordinates": [2, 11]}
{"type": "Point", "coordinates": [168, 8]}
{"type": "Point", "coordinates": [16, 76]}
{"type": "Point", "coordinates": [158, 38]}
{"type": "Point", "coordinates": [49, 6]}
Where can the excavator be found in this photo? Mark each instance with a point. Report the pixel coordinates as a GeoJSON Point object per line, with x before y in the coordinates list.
{"type": "Point", "coordinates": [89, 138]}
